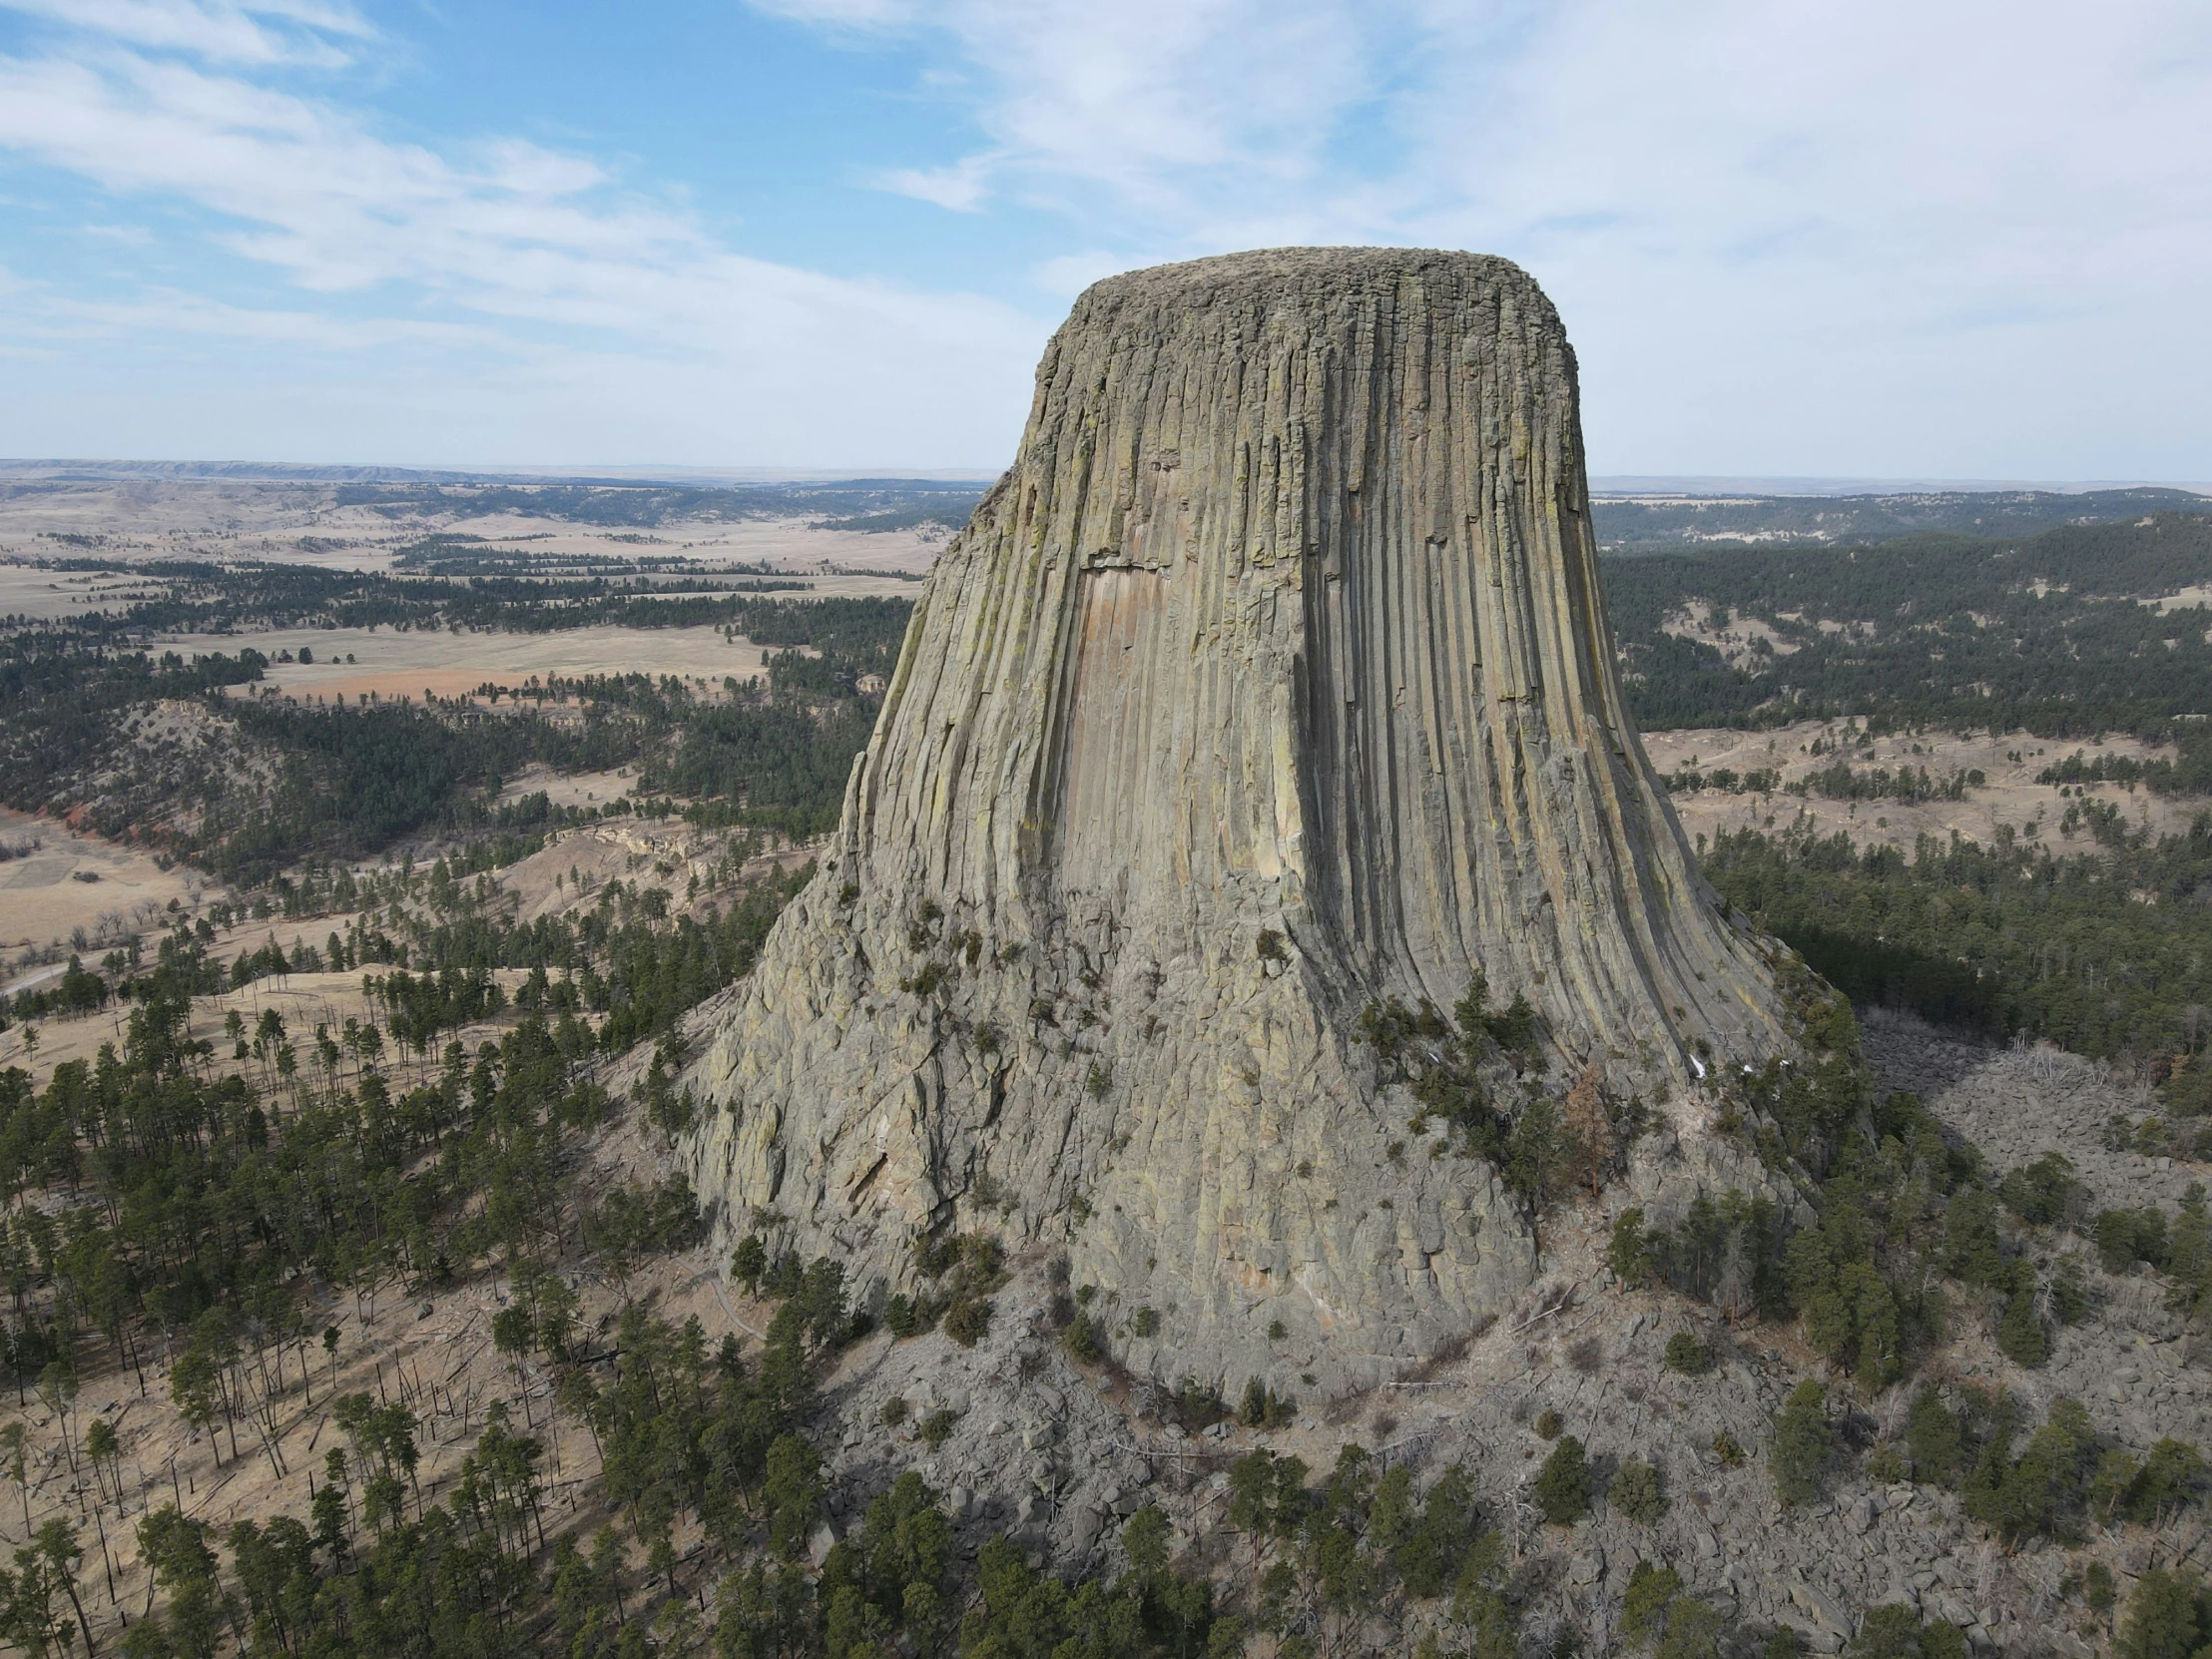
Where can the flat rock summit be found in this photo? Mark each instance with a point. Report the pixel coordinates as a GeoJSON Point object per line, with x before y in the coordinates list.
{"type": "Point", "coordinates": [1270, 681]}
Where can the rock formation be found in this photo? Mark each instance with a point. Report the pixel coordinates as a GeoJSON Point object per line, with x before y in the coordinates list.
{"type": "Point", "coordinates": [1274, 677]}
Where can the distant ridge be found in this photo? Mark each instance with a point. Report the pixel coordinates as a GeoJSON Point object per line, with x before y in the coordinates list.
{"type": "Point", "coordinates": [1662, 484]}
{"type": "Point", "coordinates": [303, 472]}
{"type": "Point", "coordinates": [1670, 520]}
{"type": "Point", "coordinates": [1611, 486]}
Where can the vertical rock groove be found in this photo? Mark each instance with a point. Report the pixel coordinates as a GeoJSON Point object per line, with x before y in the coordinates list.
{"type": "Point", "coordinates": [1285, 625]}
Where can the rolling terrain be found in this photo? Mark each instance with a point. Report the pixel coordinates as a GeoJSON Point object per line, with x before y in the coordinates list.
{"type": "Point", "coordinates": [1960, 777]}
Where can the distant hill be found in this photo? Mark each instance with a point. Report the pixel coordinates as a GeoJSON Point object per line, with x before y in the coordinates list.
{"type": "Point", "coordinates": [640, 499]}
{"type": "Point", "coordinates": [2073, 631]}
{"type": "Point", "coordinates": [1632, 522]}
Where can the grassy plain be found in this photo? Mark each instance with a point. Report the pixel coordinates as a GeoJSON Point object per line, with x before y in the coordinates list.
{"type": "Point", "coordinates": [2009, 796]}
{"type": "Point", "coordinates": [75, 879]}
{"type": "Point", "coordinates": [188, 519]}
{"type": "Point", "coordinates": [353, 661]}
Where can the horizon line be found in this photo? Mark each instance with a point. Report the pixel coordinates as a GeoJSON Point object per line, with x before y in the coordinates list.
{"type": "Point", "coordinates": [1687, 484]}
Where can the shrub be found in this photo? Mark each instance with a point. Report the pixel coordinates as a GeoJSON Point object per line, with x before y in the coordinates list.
{"type": "Point", "coordinates": [1081, 1340]}
{"type": "Point", "coordinates": [1644, 1608]}
{"type": "Point", "coordinates": [2040, 1193]}
{"type": "Point", "coordinates": [968, 1321]}
{"type": "Point", "coordinates": [1145, 1321]}
{"type": "Point", "coordinates": [1636, 1496]}
{"type": "Point", "coordinates": [936, 1428]}
{"type": "Point", "coordinates": [2098, 1587]}
{"type": "Point", "coordinates": [1895, 1631]}
{"type": "Point", "coordinates": [2069, 1291]}
{"type": "Point", "coordinates": [1263, 1408]}
{"type": "Point", "coordinates": [905, 1315]}
{"type": "Point", "coordinates": [1548, 1425]}
{"type": "Point", "coordinates": [1684, 1353]}
{"type": "Point", "coordinates": [2019, 1330]}
{"type": "Point", "coordinates": [894, 1411]}
{"type": "Point", "coordinates": [1562, 1489]}
{"type": "Point", "coordinates": [1628, 1253]}
{"type": "Point", "coordinates": [1693, 1631]}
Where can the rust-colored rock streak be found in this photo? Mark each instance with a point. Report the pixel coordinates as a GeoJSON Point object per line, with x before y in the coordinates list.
{"type": "Point", "coordinates": [1285, 623]}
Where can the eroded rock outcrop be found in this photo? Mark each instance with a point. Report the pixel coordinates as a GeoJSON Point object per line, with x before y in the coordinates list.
{"type": "Point", "coordinates": [1272, 678]}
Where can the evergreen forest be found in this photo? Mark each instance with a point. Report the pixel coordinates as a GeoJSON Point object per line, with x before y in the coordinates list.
{"type": "Point", "coordinates": [224, 1207]}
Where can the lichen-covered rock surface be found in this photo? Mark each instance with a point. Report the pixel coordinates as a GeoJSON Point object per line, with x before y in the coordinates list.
{"type": "Point", "coordinates": [1272, 678]}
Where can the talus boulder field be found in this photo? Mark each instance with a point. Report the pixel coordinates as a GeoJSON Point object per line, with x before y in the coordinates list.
{"type": "Point", "coordinates": [1271, 681]}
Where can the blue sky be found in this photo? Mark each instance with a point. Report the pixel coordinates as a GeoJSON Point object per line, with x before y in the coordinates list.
{"type": "Point", "coordinates": [1886, 237]}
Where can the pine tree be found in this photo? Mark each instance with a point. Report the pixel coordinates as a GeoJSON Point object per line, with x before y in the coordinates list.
{"type": "Point", "coordinates": [1563, 1489]}
{"type": "Point", "coordinates": [1591, 1127]}
{"type": "Point", "coordinates": [1802, 1442]}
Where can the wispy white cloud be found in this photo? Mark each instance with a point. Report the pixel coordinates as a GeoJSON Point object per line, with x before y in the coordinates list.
{"type": "Point", "coordinates": [1838, 234]}
{"type": "Point", "coordinates": [173, 313]}
{"type": "Point", "coordinates": [539, 260]}
{"type": "Point", "coordinates": [960, 188]}
{"type": "Point", "coordinates": [1882, 235]}
{"type": "Point", "coordinates": [312, 189]}
{"type": "Point", "coordinates": [229, 31]}
{"type": "Point", "coordinates": [1160, 102]}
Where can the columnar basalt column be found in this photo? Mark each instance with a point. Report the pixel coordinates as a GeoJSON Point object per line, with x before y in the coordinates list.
{"type": "Point", "coordinates": [1272, 678]}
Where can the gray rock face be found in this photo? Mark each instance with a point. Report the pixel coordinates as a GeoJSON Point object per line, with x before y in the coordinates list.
{"type": "Point", "coordinates": [1273, 677]}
